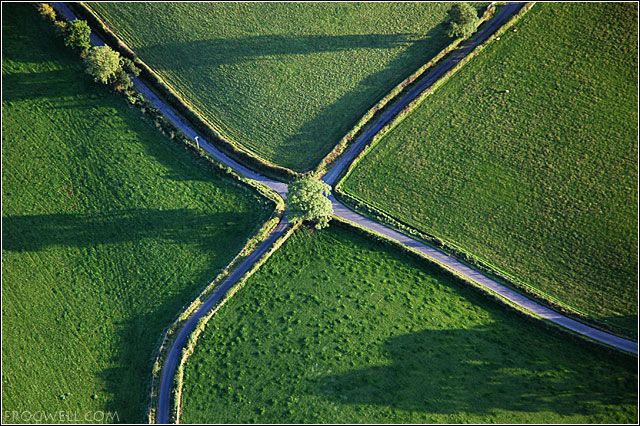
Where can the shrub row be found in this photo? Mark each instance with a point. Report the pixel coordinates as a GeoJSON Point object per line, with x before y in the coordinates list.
{"type": "Point", "coordinates": [167, 128]}
{"type": "Point", "coordinates": [170, 332]}
{"type": "Point", "coordinates": [231, 148]}
{"type": "Point", "coordinates": [188, 350]}
{"type": "Point", "coordinates": [523, 313]}
{"type": "Point", "coordinates": [375, 110]}
{"type": "Point", "coordinates": [450, 248]}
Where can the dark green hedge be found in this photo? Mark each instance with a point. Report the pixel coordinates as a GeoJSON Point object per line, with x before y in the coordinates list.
{"type": "Point", "coordinates": [171, 98]}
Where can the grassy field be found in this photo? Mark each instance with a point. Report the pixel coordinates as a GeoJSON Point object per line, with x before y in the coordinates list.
{"type": "Point", "coordinates": [539, 182]}
{"type": "Point", "coordinates": [108, 230]}
{"type": "Point", "coordinates": [286, 81]}
{"type": "Point", "coordinates": [338, 328]}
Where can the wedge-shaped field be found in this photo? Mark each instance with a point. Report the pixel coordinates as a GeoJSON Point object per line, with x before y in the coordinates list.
{"type": "Point", "coordinates": [527, 159]}
{"type": "Point", "coordinates": [339, 328]}
{"type": "Point", "coordinates": [286, 81]}
{"type": "Point", "coordinates": [109, 228]}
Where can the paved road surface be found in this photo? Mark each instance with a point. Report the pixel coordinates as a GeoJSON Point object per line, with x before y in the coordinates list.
{"type": "Point", "coordinates": [460, 268]}
{"type": "Point", "coordinates": [181, 123]}
{"type": "Point", "coordinates": [175, 352]}
{"type": "Point", "coordinates": [423, 83]}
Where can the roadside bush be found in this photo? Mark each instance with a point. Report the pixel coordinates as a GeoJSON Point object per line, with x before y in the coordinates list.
{"type": "Point", "coordinates": [77, 36]}
{"type": "Point", "coordinates": [122, 82]}
{"type": "Point", "coordinates": [102, 64]}
{"type": "Point", "coordinates": [463, 20]}
{"type": "Point", "coordinates": [47, 12]}
{"type": "Point", "coordinates": [129, 66]}
{"type": "Point", "coordinates": [60, 27]}
{"type": "Point", "coordinates": [307, 199]}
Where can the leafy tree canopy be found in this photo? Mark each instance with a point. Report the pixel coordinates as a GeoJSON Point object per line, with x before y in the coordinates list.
{"type": "Point", "coordinates": [103, 63]}
{"type": "Point", "coordinates": [463, 20]}
{"type": "Point", "coordinates": [77, 35]}
{"type": "Point", "coordinates": [307, 199]}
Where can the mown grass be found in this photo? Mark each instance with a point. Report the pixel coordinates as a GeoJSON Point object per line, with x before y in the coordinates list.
{"type": "Point", "coordinates": [109, 228]}
{"type": "Point", "coordinates": [286, 81]}
{"type": "Point", "coordinates": [339, 328]}
{"type": "Point", "coordinates": [539, 182]}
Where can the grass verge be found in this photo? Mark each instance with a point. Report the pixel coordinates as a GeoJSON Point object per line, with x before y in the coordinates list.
{"type": "Point", "coordinates": [303, 88]}
{"type": "Point", "coordinates": [108, 229]}
{"type": "Point", "coordinates": [337, 327]}
{"type": "Point", "coordinates": [532, 177]}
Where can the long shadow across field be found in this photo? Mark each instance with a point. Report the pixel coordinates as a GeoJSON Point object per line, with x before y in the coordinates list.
{"type": "Point", "coordinates": [219, 51]}
{"type": "Point", "coordinates": [357, 101]}
{"type": "Point", "coordinates": [457, 371]}
{"type": "Point", "coordinates": [214, 52]}
{"type": "Point", "coordinates": [34, 232]}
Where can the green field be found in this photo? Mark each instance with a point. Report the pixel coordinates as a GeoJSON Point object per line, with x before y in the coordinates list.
{"type": "Point", "coordinates": [109, 228]}
{"type": "Point", "coordinates": [284, 80]}
{"type": "Point", "coordinates": [538, 182]}
{"type": "Point", "coordinates": [338, 328]}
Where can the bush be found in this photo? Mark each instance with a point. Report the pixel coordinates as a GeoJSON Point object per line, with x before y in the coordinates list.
{"type": "Point", "coordinates": [122, 82]}
{"type": "Point", "coordinates": [102, 64]}
{"type": "Point", "coordinates": [129, 66]}
{"type": "Point", "coordinates": [78, 36]}
{"type": "Point", "coordinates": [61, 27]}
{"type": "Point", "coordinates": [463, 20]}
{"type": "Point", "coordinates": [307, 199]}
{"type": "Point", "coordinates": [47, 12]}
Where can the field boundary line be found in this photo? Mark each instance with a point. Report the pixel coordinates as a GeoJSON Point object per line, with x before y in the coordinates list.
{"type": "Point", "coordinates": [169, 333]}
{"type": "Point", "coordinates": [391, 96]}
{"type": "Point", "coordinates": [227, 145]}
{"type": "Point", "coordinates": [263, 234]}
{"type": "Point", "coordinates": [200, 311]}
{"type": "Point", "coordinates": [346, 171]}
{"type": "Point", "coordinates": [369, 210]}
{"type": "Point", "coordinates": [189, 348]}
{"type": "Point", "coordinates": [452, 249]}
{"type": "Point", "coordinates": [485, 291]}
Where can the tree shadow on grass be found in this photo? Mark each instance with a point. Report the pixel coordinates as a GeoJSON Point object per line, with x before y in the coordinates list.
{"type": "Point", "coordinates": [148, 300]}
{"type": "Point", "coordinates": [223, 51]}
{"type": "Point", "coordinates": [35, 232]}
{"type": "Point", "coordinates": [318, 136]}
{"type": "Point", "coordinates": [32, 85]}
{"type": "Point", "coordinates": [468, 371]}
{"type": "Point", "coordinates": [335, 120]}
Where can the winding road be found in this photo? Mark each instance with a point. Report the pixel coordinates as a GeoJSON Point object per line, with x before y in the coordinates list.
{"type": "Point", "coordinates": [445, 260]}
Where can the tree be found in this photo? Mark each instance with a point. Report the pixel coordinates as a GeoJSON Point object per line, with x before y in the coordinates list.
{"type": "Point", "coordinates": [307, 199]}
{"type": "Point", "coordinates": [103, 63]}
{"type": "Point", "coordinates": [78, 36]}
{"type": "Point", "coordinates": [463, 20]}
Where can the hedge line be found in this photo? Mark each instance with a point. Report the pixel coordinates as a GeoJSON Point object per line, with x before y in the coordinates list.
{"type": "Point", "coordinates": [170, 332]}
{"type": "Point", "coordinates": [489, 269]}
{"type": "Point", "coordinates": [231, 148]}
{"type": "Point", "coordinates": [373, 112]}
{"type": "Point", "coordinates": [520, 311]}
{"type": "Point", "coordinates": [166, 127]}
{"type": "Point", "coordinates": [188, 350]}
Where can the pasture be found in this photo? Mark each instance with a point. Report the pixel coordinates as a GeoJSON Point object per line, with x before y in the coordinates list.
{"type": "Point", "coordinates": [339, 328]}
{"type": "Point", "coordinates": [526, 160]}
{"type": "Point", "coordinates": [284, 80]}
{"type": "Point", "coordinates": [109, 228]}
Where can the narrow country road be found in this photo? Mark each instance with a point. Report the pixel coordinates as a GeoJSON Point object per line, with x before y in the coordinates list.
{"type": "Point", "coordinates": [447, 261]}
{"type": "Point", "coordinates": [471, 274]}
{"type": "Point", "coordinates": [442, 67]}
{"type": "Point", "coordinates": [175, 352]}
